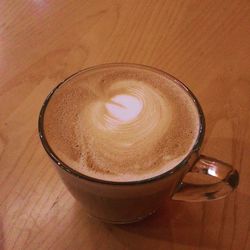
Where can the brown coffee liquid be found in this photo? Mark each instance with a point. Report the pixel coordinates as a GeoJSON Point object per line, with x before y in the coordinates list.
{"type": "Point", "coordinates": [121, 123]}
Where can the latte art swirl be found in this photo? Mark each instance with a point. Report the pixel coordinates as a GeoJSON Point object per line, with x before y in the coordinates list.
{"type": "Point", "coordinates": [121, 123]}
{"type": "Point", "coordinates": [127, 125]}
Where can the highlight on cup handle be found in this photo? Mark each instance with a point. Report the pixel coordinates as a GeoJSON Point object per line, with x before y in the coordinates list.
{"type": "Point", "coordinates": [208, 179]}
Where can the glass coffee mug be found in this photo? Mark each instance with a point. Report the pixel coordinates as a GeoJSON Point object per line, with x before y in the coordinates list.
{"type": "Point", "coordinates": [196, 178]}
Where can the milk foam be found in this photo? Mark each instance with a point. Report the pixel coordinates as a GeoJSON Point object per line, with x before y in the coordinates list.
{"type": "Point", "coordinates": [121, 125]}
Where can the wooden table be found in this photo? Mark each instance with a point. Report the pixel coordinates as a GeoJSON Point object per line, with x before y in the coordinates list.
{"type": "Point", "coordinates": [206, 44]}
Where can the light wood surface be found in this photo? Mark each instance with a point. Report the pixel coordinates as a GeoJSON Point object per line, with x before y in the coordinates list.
{"type": "Point", "coordinates": [206, 44]}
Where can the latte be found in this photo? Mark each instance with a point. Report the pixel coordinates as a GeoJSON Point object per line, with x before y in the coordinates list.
{"type": "Point", "coordinates": [121, 123]}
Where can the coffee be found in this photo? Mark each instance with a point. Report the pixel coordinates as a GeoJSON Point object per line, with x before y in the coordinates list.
{"type": "Point", "coordinates": [121, 123]}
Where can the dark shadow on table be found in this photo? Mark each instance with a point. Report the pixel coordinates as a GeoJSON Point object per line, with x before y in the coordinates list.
{"type": "Point", "coordinates": [176, 222]}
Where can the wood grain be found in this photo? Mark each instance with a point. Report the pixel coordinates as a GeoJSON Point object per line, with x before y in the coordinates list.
{"type": "Point", "coordinates": [206, 44]}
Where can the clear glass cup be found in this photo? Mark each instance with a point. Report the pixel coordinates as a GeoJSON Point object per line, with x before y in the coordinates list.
{"type": "Point", "coordinates": [197, 178]}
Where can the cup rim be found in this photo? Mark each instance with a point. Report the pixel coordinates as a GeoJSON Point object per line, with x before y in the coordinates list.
{"type": "Point", "coordinates": [76, 173]}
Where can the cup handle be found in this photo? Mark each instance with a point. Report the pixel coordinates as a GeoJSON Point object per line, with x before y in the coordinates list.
{"type": "Point", "coordinates": [208, 179]}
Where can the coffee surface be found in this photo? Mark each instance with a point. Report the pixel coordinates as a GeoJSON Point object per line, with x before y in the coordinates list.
{"type": "Point", "coordinates": [121, 123]}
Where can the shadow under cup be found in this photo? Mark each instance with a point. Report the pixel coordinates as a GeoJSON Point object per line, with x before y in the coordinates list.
{"type": "Point", "coordinates": [126, 202]}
